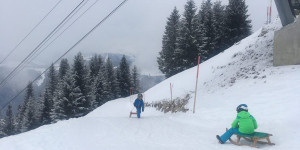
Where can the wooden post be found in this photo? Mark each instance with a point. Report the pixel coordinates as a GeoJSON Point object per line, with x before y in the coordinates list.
{"type": "Point", "coordinates": [130, 93]}
{"type": "Point", "coordinates": [196, 84]}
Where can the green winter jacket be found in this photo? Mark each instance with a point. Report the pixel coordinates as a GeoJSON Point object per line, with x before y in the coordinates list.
{"type": "Point", "coordinates": [245, 122]}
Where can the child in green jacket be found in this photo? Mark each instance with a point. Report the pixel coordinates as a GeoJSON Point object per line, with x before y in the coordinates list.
{"type": "Point", "coordinates": [244, 123]}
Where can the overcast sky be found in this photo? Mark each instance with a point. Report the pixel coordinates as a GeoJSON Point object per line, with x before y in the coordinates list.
{"type": "Point", "coordinates": [136, 29]}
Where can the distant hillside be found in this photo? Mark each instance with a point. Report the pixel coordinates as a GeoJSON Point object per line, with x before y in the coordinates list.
{"type": "Point", "coordinates": [13, 86]}
{"type": "Point", "coordinates": [148, 81]}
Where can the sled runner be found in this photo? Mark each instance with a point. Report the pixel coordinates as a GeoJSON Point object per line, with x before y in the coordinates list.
{"type": "Point", "coordinates": [254, 138]}
{"type": "Point", "coordinates": [132, 113]}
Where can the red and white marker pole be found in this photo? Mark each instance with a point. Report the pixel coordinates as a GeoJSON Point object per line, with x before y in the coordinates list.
{"type": "Point", "coordinates": [196, 84]}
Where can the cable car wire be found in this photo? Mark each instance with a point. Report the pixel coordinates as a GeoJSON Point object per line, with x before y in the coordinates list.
{"type": "Point", "coordinates": [33, 51]}
{"type": "Point", "coordinates": [86, 35]}
{"type": "Point", "coordinates": [11, 51]}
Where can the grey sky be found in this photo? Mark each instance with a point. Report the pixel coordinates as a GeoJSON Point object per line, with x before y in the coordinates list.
{"type": "Point", "coordinates": [135, 29]}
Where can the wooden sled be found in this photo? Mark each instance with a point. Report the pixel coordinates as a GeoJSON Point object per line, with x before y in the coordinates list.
{"type": "Point", "coordinates": [132, 113]}
{"type": "Point", "coordinates": [254, 138]}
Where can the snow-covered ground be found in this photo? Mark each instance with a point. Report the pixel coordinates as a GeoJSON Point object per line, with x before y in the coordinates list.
{"type": "Point", "coordinates": [242, 74]}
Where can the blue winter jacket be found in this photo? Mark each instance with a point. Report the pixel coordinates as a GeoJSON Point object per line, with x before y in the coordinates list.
{"type": "Point", "coordinates": [139, 104]}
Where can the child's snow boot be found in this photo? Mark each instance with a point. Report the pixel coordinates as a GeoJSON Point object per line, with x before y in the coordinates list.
{"type": "Point", "coordinates": [220, 141]}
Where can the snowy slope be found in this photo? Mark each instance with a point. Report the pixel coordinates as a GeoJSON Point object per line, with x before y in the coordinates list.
{"type": "Point", "coordinates": [242, 74]}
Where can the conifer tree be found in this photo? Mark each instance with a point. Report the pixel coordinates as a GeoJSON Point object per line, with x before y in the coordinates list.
{"type": "Point", "coordinates": [186, 54]}
{"type": "Point", "coordinates": [124, 77]}
{"type": "Point", "coordinates": [207, 47]}
{"type": "Point", "coordinates": [47, 107]}
{"type": "Point", "coordinates": [18, 119]}
{"type": "Point", "coordinates": [80, 73]}
{"type": "Point", "coordinates": [52, 80]}
{"type": "Point", "coordinates": [63, 105]}
{"type": "Point", "coordinates": [135, 80]}
{"type": "Point", "coordinates": [28, 120]}
{"type": "Point", "coordinates": [95, 65]}
{"type": "Point", "coordinates": [110, 78]}
{"type": "Point", "coordinates": [117, 76]}
{"type": "Point", "coordinates": [238, 24]}
{"type": "Point", "coordinates": [81, 90]}
{"type": "Point", "coordinates": [9, 127]}
{"type": "Point", "coordinates": [219, 27]}
{"type": "Point", "coordinates": [80, 107]}
{"type": "Point", "coordinates": [58, 110]}
{"type": "Point", "coordinates": [39, 106]}
{"type": "Point", "coordinates": [2, 124]}
{"type": "Point", "coordinates": [166, 59]}
{"type": "Point", "coordinates": [50, 91]}
{"type": "Point", "coordinates": [64, 67]}
{"type": "Point", "coordinates": [100, 91]}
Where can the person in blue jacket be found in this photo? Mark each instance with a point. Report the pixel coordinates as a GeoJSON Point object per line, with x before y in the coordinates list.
{"type": "Point", "coordinates": [139, 105]}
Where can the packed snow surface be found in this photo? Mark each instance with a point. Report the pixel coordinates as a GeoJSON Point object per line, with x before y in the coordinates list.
{"type": "Point", "coordinates": [242, 74]}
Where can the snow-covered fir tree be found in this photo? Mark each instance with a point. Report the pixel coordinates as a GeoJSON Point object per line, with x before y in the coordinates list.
{"type": "Point", "coordinates": [59, 105]}
{"type": "Point", "coordinates": [206, 31]}
{"type": "Point", "coordinates": [47, 107]}
{"type": "Point", "coordinates": [110, 78]}
{"type": "Point", "coordinates": [81, 91]}
{"type": "Point", "coordinates": [187, 52]}
{"type": "Point", "coordinates": [9, 125]}
{"type": "Point", "coordinates": [135, 80]}
{"type": "Point", "coordinates": [29, 122]}
{"type": "Point", "coordinates": [95, 64]}
{"type": "Point", "coordinates": [80, 73]}
{"type": "Point", "coordinates": [99, 88]}
{"type": "Point", "coordinates": [124, 77]}
{"type": "Point", "coordinates": [219, 27]}
{"type": "Point", "coordinates": [50, 91]}
{"type": "Point", "coordinates": [80, 106]}
{"type": "Point", "coordinates": [64, 67]}
{"type": "Point", "coordinates": [166, 59]}
{"type": "Point", "coordinates": [118, 76]}
{"type": "Point", "coordinates": [18, 119]}
{"type": "Point", "coordinates": [2, 124]}
{"type": "Point", "coordinates": [237, 21]}
{"type": "Point", "coordinates": [39, 106]}
{"type": "Point", "coordinates": [52, 80]}
{"type": "Point", "coordinates": [64, 106]}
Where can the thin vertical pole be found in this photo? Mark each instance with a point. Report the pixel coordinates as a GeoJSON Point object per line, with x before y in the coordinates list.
{"type": "Point", "coordinates": [270, 13]}
{"type": "Point", "coordinates": [196, 84]}
{"type": "Point", "coordinates": [171, 90]}
{"type": "Point", "coordinates": [130, 93]}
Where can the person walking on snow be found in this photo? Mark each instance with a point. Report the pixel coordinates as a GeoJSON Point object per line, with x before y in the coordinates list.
{"type": "Point", "coordinates": [243, 124]}
{"type": "Point", "coordinates": [139, 105]}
